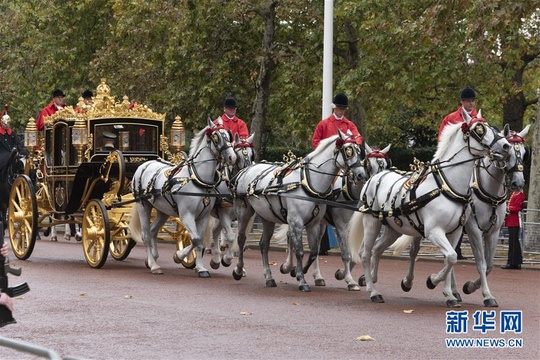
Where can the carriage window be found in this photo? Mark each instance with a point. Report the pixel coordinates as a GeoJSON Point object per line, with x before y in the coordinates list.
{"type": "Point", "coordinates": [129, 137]}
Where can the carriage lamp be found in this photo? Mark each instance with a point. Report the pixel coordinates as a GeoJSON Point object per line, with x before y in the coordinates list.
{"type": "Point", "coordinates": [79, 137]}
{"type": "Point", "coordinates": [124, 140]}
{"type": "Point", "coordinates": [178, 134]}
{"type": "Point", "coordinates": [30, 135]}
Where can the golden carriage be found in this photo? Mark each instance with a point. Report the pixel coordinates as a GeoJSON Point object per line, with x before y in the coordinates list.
{"type": "Point", "coordinates": [71, 178]}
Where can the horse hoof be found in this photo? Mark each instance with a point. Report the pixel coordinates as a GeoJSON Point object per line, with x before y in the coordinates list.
{"type": "Point", "coordinates": [340, 274]}
{"type": "Point", "coordinates": [490, 303]}
{"type": "Point", "coordinates": [304, 288]}
{"type": "Point", "coordinates": [54, 238]}
{"type": "Point", "coordinates": [214, 265]}
{"type": "Point", "coordinates": [468, 285]}
{"type": "Point", "coordinates": [146, 264]}
{"type": "Point", "coordinates": [223, 247]}
{"type": "Point", "coordinates": [353, 287]}
{"type": "Point", "coordinates": [405, 287]}
{"type": "Point", "coordinates": [458, 297]}
{"type": "Point", "coordinates": [47, 232]}
{"type": "Point", "coordinates": [453, 304]}
{"type": "Point", "coordinates": [204, 274]}
{"type": "Point", "coordinates": [78, 238]}
{"type": "Point", "coordinates": [362, 280]}
{"type": "Point", "coordinates": [320, 282]}
{"type": "Point", "coordinates": [282, 269]}
{"type": "Point", "coordinates": [429, 283]}
{"type": "Point", "coordinates": [157, 272]}
{"type": "Point", "coordinates": [176, 258]}
{"type": "Point", "coordinates": [236, 276]}
{"type": "Point", "coordinates": [377, 299]}
{"type": "Point", "coordinates": [271, 283]}
{"type": "Point", "coordinates": [224, 263]}
{"type": "Point", "coordinates": [293, 273]}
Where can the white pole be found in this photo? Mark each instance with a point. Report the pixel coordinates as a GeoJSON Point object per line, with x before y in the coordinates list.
{"type": "Point", "coordinates": [328, 54]}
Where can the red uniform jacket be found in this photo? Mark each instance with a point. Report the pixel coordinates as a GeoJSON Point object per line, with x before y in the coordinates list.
{"type": "Point", "coordinates": [329, 127]}
{"type": "Point", "coordinates": [454, 118]}
{"type": "Point", "coordinates": [515, 205]}
{"type": "Point", "coordinates": [47, 111]}
{"type": "Point", "coordinates": [235, 126]}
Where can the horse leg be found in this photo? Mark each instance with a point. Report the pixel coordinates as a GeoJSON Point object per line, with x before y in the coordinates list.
{"type": "Point", "coordinates": [447, 245]}
{"type": "Point", "coordinates": [286, 267]}
{"type": "Point", "coordinates": [340, 224]}
{"type": "Point", "coordinates": [407, 281]}
{"type": "Point", "coordinates": [264, 244]}
{"type": "Point", "coordinates": [143, 212]}
{"type": "Point", "coordinates": [372, 228]}
{"type": "Point", "coordinates": [317, 276]}
{"type": "Point", "coordinates": [216, 249]}
{"type": "Point", "coordinates": [226, 222]}
{"type": "Point", "coordinates": [313, 235]}
{"type": "Point", "coordinates": [244, 212]}
{"type": "Point", "coordinates": [196, 229]}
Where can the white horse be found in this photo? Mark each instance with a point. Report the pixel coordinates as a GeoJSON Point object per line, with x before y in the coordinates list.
{"type": "Point", "coordinates": [488, 211]}
{"type": "Point", "coordinates": [184, 191]}
{"type": "Point", "coordinates": [223, 213]}
{"type": "Point", "coordinates": [411, 204]}
{"type": "Point", "coordinates": [346, 189]}
{"type": "Point", "coordinates": [289, 194]}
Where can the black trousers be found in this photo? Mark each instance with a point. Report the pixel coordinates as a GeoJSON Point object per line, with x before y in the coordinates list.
{"type": "Point", "coordinates": [514, 246]}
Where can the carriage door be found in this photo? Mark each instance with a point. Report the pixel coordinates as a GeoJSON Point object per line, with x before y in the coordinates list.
{"type": "Point", "coordinates": [63, 159]}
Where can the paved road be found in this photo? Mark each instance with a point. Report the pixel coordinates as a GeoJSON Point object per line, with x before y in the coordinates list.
{"type": "Point", "coordinates": [123, 312]}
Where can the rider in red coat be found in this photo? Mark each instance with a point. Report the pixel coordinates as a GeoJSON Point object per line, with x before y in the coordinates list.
{"type": "Point", "coordinates": [329, 126]}
{"type": "Point", "coordinates": [56, 104]}
{"type": "Point", "coordinates": [232, 122]}
{"type": "Point", "coordinates": [467, 99]}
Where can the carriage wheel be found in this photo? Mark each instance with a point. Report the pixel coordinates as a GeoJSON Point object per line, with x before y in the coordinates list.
{"type": "Point", "coordinates": [183, 242]}
{"type": "Point", "coordinates": [121, 246]}
{"type": "Point", "coordinates": [22, 217]}
{"type": "Point", "coordinates": [115, 157]}
{"type": "Point", "coordinates": [95, 233]}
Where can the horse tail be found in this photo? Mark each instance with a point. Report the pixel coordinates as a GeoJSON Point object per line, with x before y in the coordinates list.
{"type": "Point", "coordinates": [208, 236]}
{"type": "Point", "coordinates": [280, 235]}
{"type": "Point", "coordinates": [356, 235]}
{"type": "Point", "coordinates": [401, 244]}
{"type": "Point", "coordinates": [135, 225]}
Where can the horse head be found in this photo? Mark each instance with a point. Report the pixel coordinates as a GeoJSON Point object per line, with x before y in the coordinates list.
{"type": "Point", "coordinates": [219, 140]}
{"type": "Point", "coordinates": [376, 160]}
{"type": "Point", "coordinates": [245, 155]}
{"type": "Point", "coordinates": [483, 139]}
{"type": "Point", "coordinates": [514, 164]}
{"type": "Point", "coordinates": [348, 153]}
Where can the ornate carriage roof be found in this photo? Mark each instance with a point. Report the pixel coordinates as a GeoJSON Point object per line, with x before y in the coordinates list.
{"type": "Point", "coordinates": [104, 106]}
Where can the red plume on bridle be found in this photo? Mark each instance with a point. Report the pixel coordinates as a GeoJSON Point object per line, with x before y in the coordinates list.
{"type": "Point", "coordinates": [515, 138]}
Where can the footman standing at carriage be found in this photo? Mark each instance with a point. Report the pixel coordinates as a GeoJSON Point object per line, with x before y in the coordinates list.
{"type": "Point", "coordinates": [232, 122]}
{"type": "Point", "coordinates": [329, 127]}
{"type": "Point", "coordinates": [57, 103]}
{"type": "Point", "coordinates": [467, 99]}
{"type": "Point", "coordinates": [515, 205]}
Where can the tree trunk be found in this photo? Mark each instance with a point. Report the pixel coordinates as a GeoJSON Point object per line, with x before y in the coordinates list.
{"type": "Point", "coordinates": [532, 222]}
{"type": "Point", "coordinates": [514, 106]}
{"type": "Point", "coordinates": [263, 81]}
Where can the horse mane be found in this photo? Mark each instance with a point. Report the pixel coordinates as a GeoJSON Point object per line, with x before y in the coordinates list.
{"type": "Point", "coordinates": [322, 146]}
{"type": "Point", "coordinates": [197, 141]}
{"type": "Point", "coordinates": [448, 136]}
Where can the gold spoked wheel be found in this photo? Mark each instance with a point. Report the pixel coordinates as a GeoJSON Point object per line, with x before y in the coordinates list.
{"type": "Point", "coordinates": [22, 217]}
{"type": "Point", "coordinates": [121, 245]}
{"type": "Point", "coordinates": [183, 241]}
{"type": "Point", "coordinates": [95, 233]}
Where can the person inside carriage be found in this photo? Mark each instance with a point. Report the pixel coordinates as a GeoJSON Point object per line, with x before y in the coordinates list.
{"type": "Point", "coordinates": [329, 127]}
{"type": "Point", "coordinates": [108, 141]}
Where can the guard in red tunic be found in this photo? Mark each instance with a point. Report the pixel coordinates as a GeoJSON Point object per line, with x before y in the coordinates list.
{"type": "Point", "coordinates": [232, 122]}
{"type": "Point", "coordinates": [56, 104]}
{"type": "Point", "coordinates": [329, 126]}
{"type": "Point", "coordinates": [514, 207]}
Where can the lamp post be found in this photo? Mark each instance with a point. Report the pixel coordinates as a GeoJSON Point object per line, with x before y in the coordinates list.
{"type": "Point", "coordinates": [79, 137]}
